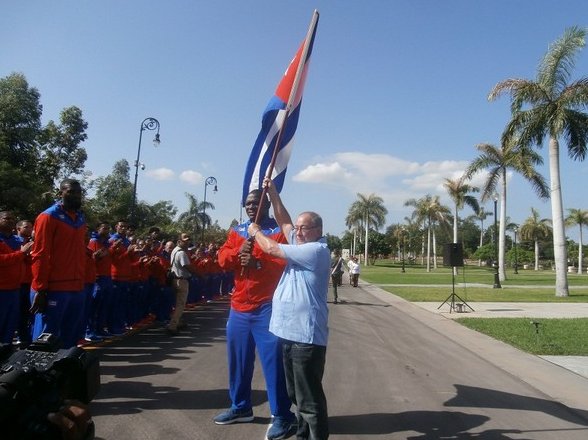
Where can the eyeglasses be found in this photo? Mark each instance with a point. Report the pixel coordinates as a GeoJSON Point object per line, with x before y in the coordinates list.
{"type": "Point", "coordinates": [303, 228]}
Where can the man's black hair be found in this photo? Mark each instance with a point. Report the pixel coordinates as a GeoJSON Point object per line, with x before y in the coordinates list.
{"type": "Point", "coordinates": [69, 182]}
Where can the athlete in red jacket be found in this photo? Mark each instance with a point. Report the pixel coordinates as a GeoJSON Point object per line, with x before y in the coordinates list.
{"type": "Point", "coordinates": [256, 277]}
{"type": "Point", "coordinates": [11, 276]}
{"type": "Point", "coordinates": [59, 266]}
{"type": "Point", "coordinates": [100, 245]}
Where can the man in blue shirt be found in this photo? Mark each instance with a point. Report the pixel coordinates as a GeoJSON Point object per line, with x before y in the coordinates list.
{"type": "Point", "coordinates": [299, 311]}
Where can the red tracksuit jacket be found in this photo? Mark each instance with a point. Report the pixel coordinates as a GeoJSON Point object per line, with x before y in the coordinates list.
{"type": "Point", "coordinates": [253, 286]}
{"type": "Point", "coordinates": [59, 251]}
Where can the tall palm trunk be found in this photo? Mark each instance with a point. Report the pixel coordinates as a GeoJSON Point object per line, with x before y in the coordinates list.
{"type": "Point", "coordinates": [434, 250]}
{"type": "Point", "coordinates": [502, 230]}
{"type": "Point", "coordinates": [580, 252]}
{"type": "Point", "coordinates": [367, 228]}
{"type": "Point", "coordinates": [423, 249]}
{"type": "Point", "coordinates": [536, 254]}
{"type": "Point", "coordinates": [557, 218]}
{"type": "Point", "coordinates": [481, 239]}
{"type": "Point", "coordinates": [429, 246]}
{"type": "Point", "coordinates": [455, 235]}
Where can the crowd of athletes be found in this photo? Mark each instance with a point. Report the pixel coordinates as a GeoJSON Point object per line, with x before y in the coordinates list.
{"type": "Point", "coordinates": [126, 282]}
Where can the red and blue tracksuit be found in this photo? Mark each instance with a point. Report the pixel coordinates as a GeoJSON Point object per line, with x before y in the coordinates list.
{"type": "Point", "coordinates": [11, 276]}
{"type": "Point", "coordinates": [99, 317]}
{"type": "Point", "coordinates": [59, 268]}
{"type": "Point", "coordinates": [122, 275]}
{"type": "Point", "coordinates": [26, 319]}
{"type": "Point", "coordinates": [248, 323]}
{"type": "Point", "coordinates": [89, 292]}
{"type": "Point", "coordinates": [163, 295]}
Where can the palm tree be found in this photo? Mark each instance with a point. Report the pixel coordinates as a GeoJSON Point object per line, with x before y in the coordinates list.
{"type": "Point", "coordinates": [440, 215]}
{"type": "Point", "coordinates": [497, 161]}
{"type": "Point", "coordinates": [536, 230]}
{"type": "Point", "coordinates": [413, 229]}
{"type": "Point", "coordinates": [420, 217]}
{"type": "Point", "coordinates": [459, 191]}
{"type": "Point", "coordinates": [580, 218]}
{"type": "Point", "coordinates": [552, 107]}
{"type": "Point", "coordinates": [514, 228]}
{"type": "Point", "coordinates": [353, 222]}
{"type": "Point", "coordinates": [195, 219]}
{"type": "Point", "coordinates": [428, 210]}
{"type": "Point", "coordinates": [372, 212]}
{"type": "Point", "coordinates": [481, 215]}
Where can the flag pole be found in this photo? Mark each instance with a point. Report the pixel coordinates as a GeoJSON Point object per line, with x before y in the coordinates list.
{"type": "Point", "coordinates": [291, 98]}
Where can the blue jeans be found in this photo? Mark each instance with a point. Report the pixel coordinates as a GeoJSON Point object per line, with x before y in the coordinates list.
{"type": "Point", "coordinates": [304, 365]}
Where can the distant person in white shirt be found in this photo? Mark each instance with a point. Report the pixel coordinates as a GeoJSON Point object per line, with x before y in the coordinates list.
{"type": "Point", "coordinates": [354, 270]}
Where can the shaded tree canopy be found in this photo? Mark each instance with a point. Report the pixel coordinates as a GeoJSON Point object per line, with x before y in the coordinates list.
{"type": "Point", "coordinates": [33, 159]}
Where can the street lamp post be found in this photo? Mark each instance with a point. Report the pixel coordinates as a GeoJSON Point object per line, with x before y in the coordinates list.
{"type": "Point", "coordinates": [516, 263]}
{"type": "Point", "coordinates": [496, 276]}
{"type": "Point", "coordinates": [209, 181]}
{"type": "Point", "coordinates": [147, 124]}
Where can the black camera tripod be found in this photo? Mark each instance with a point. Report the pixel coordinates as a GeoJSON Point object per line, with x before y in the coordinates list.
{"type": "Point", "coordinates": [459, 307]}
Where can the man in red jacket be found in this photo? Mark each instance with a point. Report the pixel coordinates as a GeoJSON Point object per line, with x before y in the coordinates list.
{"type": "Point", "coordinates": [12, 269]}
{"type": "Point", "coordinates": [256, 277]}
{"type": "Point", "coordinates": [24, 232]}
{"type": "Point", "coordinates": [99, 312]}
{"type": "Point", "coordinates": [122, 253]}
{"type": "Point", "coordinates": [59, 266]}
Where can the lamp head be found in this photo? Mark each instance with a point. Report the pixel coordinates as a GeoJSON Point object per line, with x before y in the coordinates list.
{"type": "Point", "coordinates": [156, 140]}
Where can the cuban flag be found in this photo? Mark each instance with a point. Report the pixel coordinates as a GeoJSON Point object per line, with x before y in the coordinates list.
{"type": "Point", "coordinates": [273, 146]}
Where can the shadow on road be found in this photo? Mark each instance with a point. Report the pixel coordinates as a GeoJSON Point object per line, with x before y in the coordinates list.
{"type": "Point", "coordinates": [429, 424]}
{"type": "Point", "coordinates": [434, 425]}
{"type": "Point", "coordinates": [128, 363]}
{"type": "Point", "coordinates": [131, 397]}
{"type": "Point", "coordinates": [474, 397]}
{"type": "Point", "coordinates": [345, 302]}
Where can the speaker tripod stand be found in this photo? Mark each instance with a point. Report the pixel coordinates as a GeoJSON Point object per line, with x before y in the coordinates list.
{"type": "Point", "coordinates": [453, 306]}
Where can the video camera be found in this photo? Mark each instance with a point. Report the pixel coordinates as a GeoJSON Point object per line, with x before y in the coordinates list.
{"type": "Point", "coordinates": [37, 380]}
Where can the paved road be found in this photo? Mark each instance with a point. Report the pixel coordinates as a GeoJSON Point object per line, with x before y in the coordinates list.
{"type": "Point", "coordinates": [394, 371]}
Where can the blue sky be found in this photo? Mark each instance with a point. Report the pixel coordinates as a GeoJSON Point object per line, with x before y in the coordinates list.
{"type": "Point", "coordinates": [395, 100]}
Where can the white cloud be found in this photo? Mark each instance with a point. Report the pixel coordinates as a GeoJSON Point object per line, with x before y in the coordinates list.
{"type": "Point", "coordinates": [376, 165]}
{"type": "Point", "coordinates": [191, 177]}
{"type": "Point", "coordinates": [394, 179]}
{"type": "Point", "coordinates": [430, 176]}
{"type": "Point", "coordinates": [323, 173]}
{"type": "Point", "coordinates": [377, 173]}
{"type": "Point", "coordinates": [161, 174]}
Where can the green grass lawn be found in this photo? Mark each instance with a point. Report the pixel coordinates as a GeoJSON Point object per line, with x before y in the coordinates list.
{"type": "Point", "coordinates": [475, 284]}
{"type": "Point", "coordinates": [472, 283]}
{"type": "Point", "coordinates": [555, 337]}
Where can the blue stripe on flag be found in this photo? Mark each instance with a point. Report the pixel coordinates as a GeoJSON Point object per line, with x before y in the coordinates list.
{"type": "Point", "coordinates": [271, 124]}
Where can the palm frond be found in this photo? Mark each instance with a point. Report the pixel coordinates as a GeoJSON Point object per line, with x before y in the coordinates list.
{"type": "Point", "coordinates": [575, 95]}
{"type": "Point", "coordinates": [556, 67]}
{"type": "Point", "coordinates": [576, 134]}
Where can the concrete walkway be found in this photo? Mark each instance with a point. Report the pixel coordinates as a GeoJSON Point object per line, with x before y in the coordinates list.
{"type": "Point", "coordinates": [534, 311]}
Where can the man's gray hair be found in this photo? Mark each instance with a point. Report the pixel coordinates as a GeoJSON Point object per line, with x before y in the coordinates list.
{"type": "Point", "coordinates": [316, 219]}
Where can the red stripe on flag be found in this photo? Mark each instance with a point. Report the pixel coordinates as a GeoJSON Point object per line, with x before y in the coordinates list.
{"type": "Point", "coordinates": [285, 87]}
